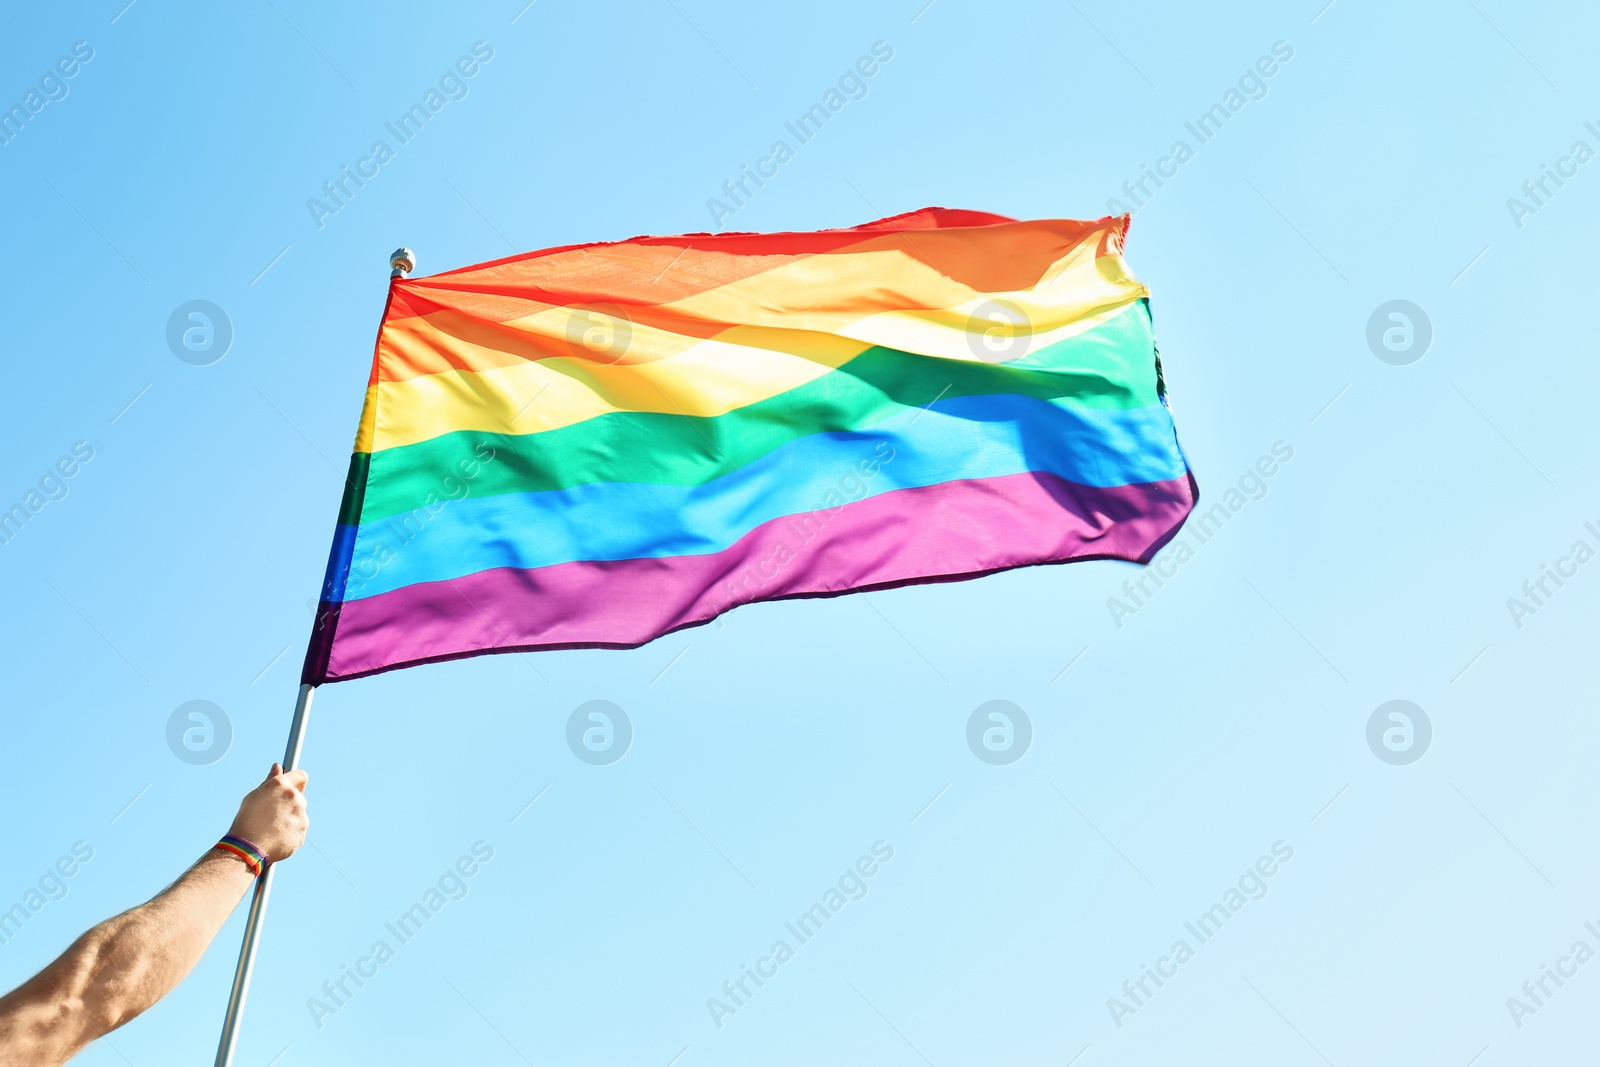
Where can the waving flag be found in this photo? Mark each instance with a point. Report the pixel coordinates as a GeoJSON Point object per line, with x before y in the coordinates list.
{"type": "Point", "coordinates": [592, 446]}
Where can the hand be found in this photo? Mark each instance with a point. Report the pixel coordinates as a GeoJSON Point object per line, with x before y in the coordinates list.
{"type": "Point", "coordinates": [272, 816]}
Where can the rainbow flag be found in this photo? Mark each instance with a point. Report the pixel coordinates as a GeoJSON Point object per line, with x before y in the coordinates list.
{"type": "Point", "coordinates": [595, 445]}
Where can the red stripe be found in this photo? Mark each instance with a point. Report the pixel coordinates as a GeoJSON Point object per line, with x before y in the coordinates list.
{"type": "Point", "coordinates": [987, 253]}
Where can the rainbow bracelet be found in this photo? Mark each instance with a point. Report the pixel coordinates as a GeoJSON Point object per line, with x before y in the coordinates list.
{"type": "Point", "coordinates": [253, 857]}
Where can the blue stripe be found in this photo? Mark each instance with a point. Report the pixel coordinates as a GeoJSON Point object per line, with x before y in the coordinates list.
{"type": "Point", "coordinates": [960, 438]}
{"type": "Point", "coordinates": [339, 559]}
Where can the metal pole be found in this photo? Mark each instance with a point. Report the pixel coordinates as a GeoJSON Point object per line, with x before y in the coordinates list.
{"type": "Point", "coordinates": [258, 905]}
{"type": "Point", "coordinates": [401, 262]}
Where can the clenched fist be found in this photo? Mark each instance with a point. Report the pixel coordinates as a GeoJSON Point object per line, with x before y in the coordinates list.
{"type": "Point", "coordinates": [272, 816]}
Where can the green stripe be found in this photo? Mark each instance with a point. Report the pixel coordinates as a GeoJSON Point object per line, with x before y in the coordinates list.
{"type": "Point", "coordinates": [355, 486]}
{"type": "Point", "coordinates": [1111, 366]}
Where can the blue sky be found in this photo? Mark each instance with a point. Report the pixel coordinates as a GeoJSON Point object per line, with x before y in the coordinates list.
{"type": "Point", "coordinates": [1171, 748]}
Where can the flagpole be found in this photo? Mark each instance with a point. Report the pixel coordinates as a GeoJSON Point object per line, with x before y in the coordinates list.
{"type": "Point", "coordinates": [402, 262]}
{"type": "Point", "coordinates": [258, 904]}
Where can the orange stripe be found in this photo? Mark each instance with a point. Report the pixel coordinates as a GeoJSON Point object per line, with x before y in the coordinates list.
{"type": "Point", "coordinates": [799, 294]}
{"type": "Point", "coordinates": [655, 271]}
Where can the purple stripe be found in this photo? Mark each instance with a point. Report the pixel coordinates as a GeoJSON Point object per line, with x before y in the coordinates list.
{"type": "Point", "coordinates": [959, 529]}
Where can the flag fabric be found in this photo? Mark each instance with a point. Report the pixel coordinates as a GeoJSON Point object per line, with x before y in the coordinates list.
{"type": "Point", "coordinates": [595, 445]}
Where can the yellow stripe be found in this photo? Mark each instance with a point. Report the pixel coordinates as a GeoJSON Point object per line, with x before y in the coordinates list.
{"type": "Point", "coordinates": [1077, 295]}
{"type": "Point", "coordinates": [709, 378]}
{"type": "Point", "coordinates": [832, 292]}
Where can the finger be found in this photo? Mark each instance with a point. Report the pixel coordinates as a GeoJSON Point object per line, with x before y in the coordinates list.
{"type": "Point", "coordinates": [277, 769]}
{"type": "Point", "coordinates": [296, 779]}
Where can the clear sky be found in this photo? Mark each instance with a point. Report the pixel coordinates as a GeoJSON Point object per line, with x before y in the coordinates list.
{"type": "Point", "coordinates": [1423, 468]}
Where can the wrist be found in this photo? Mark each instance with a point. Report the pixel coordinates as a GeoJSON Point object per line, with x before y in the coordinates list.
{"type": "Point", "coordinates": [243, 851]}
{"type": "Point", "coordinates": [216, 866]}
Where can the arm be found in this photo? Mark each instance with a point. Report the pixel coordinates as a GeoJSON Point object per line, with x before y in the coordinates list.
{"type": "Point", "coordinates": [124, 965]}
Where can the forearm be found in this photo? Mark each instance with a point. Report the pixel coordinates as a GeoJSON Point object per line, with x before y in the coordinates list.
{"type": "Point", "coordinates": [153, 947]}
{"type": "Point", "coordinates": [121, 967]}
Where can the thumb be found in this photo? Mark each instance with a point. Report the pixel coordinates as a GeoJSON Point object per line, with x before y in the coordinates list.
{"type": "Point", "coordinates": [277, 769]}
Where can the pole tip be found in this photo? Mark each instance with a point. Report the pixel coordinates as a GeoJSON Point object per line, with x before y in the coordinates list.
{"type": "Point", "coordinates": [402, 262]}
